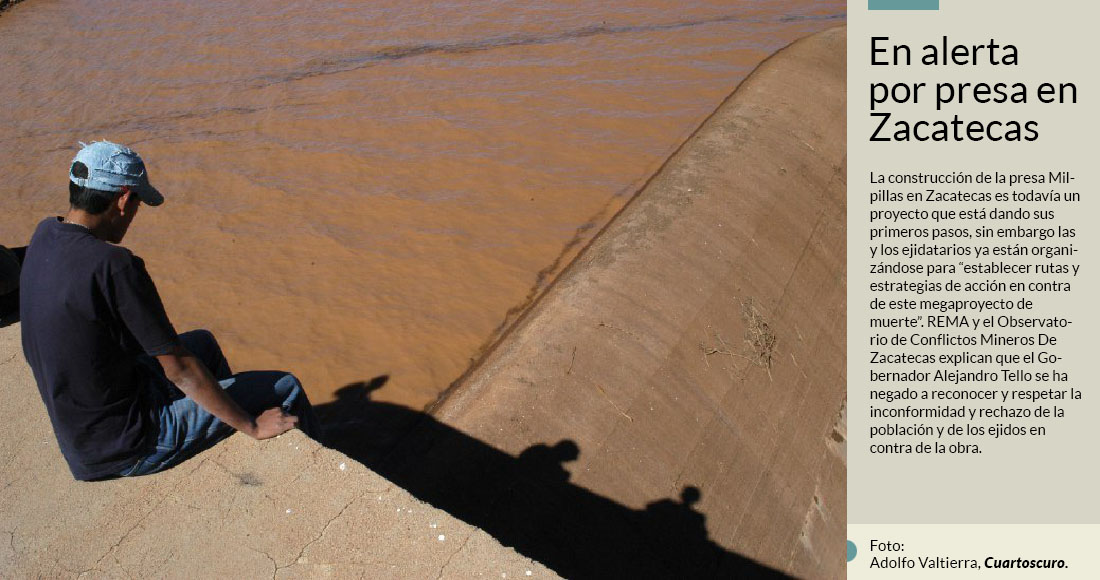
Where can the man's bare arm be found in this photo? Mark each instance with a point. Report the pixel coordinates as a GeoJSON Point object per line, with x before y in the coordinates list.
{"type": "Point", "coordinates": [194, 379]}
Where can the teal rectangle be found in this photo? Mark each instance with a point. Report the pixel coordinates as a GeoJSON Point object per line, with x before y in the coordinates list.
{"type": "Point", "coordinates": [903, 4]}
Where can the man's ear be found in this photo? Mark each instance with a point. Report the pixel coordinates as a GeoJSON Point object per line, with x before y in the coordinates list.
{"type": "Point", "coordinates": [123, 200]}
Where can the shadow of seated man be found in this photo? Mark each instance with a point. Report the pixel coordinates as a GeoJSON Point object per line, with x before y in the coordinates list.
{"type": "Point", "coordinates": [126, 395]}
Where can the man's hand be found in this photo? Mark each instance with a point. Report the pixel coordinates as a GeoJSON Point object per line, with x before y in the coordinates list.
{"type": "Point", "coordinates": [272, 422]}
{"type": "Point", "coordinates": [195, 380]}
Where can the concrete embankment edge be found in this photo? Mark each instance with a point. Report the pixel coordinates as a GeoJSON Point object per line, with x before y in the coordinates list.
{"type": "Point", "coordinates": [282, 508]}
{"type": "Point", "coordinates": [700, 339]}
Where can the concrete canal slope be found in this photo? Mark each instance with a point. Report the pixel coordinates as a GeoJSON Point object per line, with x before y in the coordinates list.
{"type": "Point", "coordinates": [282, 508]}
{"type": "Point", "coordinates": [689, 366]}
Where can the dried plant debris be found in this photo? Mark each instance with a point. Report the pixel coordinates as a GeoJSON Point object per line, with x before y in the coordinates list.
{"type": "Point", "coordinates": [758, 334]}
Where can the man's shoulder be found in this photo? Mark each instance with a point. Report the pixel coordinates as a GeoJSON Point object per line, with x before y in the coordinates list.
{"type": "Point", "coordinates": [120, 262]}
{"type": "Point", "coordinates": [119, 256]}
{"type": "Point", "coordinates": [54, 241]}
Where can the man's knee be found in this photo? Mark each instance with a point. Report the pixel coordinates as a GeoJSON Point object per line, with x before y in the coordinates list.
{"type": "Point", "coordinates": [205, 347]}
{"type": "Point", "coordinates": [295, 402]}
{"type": "Point", "coordinates": [256, 391]}
{"type": "Point", "coordinates": [289, 387]}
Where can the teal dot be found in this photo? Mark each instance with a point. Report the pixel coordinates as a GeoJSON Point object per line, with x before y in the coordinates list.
{"type": "Point", "coordinates": [851, 550]}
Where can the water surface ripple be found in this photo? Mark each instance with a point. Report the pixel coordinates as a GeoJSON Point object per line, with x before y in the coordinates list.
{"type": "Point", "coordinates": [359, 189]}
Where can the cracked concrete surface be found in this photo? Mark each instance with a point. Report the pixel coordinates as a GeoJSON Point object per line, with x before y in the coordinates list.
{"type": "Point", "coordinates": [280, 508]}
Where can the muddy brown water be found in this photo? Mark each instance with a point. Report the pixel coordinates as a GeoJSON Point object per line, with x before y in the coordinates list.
{"type": "Point", "coordinates": [359, 189]}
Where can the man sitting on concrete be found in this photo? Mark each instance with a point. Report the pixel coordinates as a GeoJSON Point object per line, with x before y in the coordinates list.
{"type": "Point", "coordinates": [125, 393]}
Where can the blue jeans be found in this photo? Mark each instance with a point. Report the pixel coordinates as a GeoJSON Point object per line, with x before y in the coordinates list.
{"type": "Point", "coordinates": [185, 428]}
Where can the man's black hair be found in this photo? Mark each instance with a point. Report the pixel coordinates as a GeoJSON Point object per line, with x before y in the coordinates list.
{"type": "Point", "coordinates": [93, 201]}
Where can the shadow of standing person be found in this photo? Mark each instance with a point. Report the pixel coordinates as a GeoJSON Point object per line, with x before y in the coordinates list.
{"type": "Point", "coordinates": [528, 501]}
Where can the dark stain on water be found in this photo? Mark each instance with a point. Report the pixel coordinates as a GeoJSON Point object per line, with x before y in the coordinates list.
{"type": "Point", "coordinates": [327, 66]}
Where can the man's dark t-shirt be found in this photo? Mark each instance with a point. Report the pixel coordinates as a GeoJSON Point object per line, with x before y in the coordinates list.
{"type": "Point", "coordinates": [88, 310]}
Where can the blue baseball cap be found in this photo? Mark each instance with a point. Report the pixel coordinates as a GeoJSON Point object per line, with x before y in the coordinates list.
{"type": "Point", "coordinates": [110, 166]}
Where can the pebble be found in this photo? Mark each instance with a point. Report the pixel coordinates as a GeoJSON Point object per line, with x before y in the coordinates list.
{"type": "Point", "coordinates": [442, 537]}
{"type": "Point", "coordinates": [343, 466]}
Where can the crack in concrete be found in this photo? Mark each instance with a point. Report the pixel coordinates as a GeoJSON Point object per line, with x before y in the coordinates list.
{"type": "Point", "coordinates": [67, 571]}
{"type": "Point", "coordinates": [9, 461]}
{"type": "Point", "coordinates": [274, 564]}
{"type": "Point", "coordinates": [156, 506]}
{"type": "Point", "coordinates": [296, 479]}
{"type": "Point", "coordinates": [302, 552]}
{"type": "Point", "coordinates": [239, 476]}
{"type": "Point", "coordinates": [119, 543]}
{"type": "Point", "coordinates": [11, 541]}
{"type": "Point", "coordinates": [453, 554]}
{"type": "Point", "coordinates": [124, 570]}
{"type": "Point", "coordinates": [123, 538]}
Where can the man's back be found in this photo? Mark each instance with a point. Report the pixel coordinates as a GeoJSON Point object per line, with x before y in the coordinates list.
{"type": "Point", "coordinates": [127, 396]}
{"type": "Point", "coordinates": [88, 311]}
